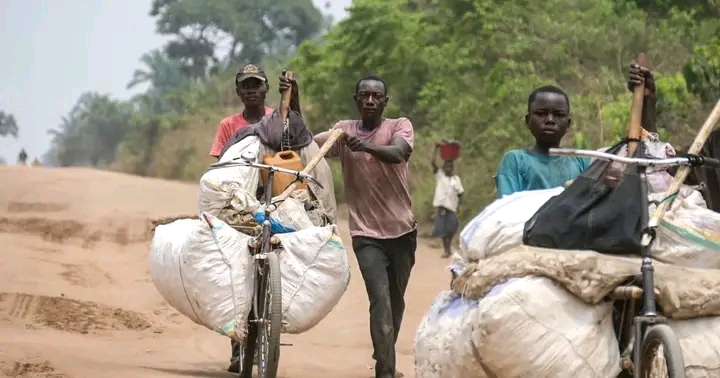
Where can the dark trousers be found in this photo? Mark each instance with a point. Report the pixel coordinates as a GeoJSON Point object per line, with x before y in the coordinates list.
{"type": "Point", "coordinates": [385, 265]}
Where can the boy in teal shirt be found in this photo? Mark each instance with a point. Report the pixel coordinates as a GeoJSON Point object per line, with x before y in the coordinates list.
{"type": "Point", "coordinates": [548, 119]}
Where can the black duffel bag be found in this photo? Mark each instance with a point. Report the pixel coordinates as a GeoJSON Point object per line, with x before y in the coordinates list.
{"type": "Point", "coordinates": [591, 214]}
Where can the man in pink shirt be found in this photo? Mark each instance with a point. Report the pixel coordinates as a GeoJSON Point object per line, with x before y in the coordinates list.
{"type": "Point", "coordinates": [251, 85]}
{"type": "Point", "coordinates": [374, 157]}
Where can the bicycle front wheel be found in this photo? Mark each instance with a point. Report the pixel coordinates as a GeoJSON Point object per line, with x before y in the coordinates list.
{"type": "Point", "coordinates": [661, 355]}
{"type": "Point", "coordinates": [271, 319]}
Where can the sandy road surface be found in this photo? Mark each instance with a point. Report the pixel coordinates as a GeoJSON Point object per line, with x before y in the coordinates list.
{"type": "Point", "coordinates": [76, 299]}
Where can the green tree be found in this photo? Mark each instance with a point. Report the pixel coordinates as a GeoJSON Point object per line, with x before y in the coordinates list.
{"type": "Point", "coordinates": [464, 68]}
{"type": "Point", "coordinates": [226, 32]}
{"type": "Point", "coordinates": [702, 72]}
{"type": "Point", "coordinates": [161, 73]}
{"type": "Point", "coordinates": [8, 125]}
{"type": "Point", "coordinates": [91, 132]}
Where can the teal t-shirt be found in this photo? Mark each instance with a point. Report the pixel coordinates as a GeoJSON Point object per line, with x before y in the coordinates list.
{"type": "Point", "coordinates": [522, 170]}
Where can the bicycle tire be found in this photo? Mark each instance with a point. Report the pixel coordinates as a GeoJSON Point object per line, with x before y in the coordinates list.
{"type": "Point", "coordinates": [656, 336]}
{"type": "Point", "coordinates": [271, 313]}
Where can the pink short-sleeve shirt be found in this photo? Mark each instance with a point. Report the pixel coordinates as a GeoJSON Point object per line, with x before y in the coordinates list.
{"type": "Point", "coordinates": [227, 128]}
{"type": "Point", "coordinates": [377, 194]}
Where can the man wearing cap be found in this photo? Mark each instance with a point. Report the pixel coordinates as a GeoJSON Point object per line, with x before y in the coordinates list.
{"type": "Point", "coordinates": [251, 85]}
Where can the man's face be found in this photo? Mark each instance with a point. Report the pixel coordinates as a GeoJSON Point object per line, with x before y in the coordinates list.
{"type": "Point", "coordinates": [371, 99]}
{"type": "Point", "coordinates": [549, 117]}
{"type": "Point", "coordinates": [252, 91]}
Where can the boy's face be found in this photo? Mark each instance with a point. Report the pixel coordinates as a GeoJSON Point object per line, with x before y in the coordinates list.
{"type": "Point", "coordinates": [448, 167]}
{"type": "Point", "coordinates": [549, 117]}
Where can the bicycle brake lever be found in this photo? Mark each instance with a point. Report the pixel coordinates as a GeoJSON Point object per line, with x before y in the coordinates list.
{"type": "Point", "coordinates": [314, 181]}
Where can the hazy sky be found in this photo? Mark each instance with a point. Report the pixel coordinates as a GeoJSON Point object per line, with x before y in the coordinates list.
{"type": "Point", "coordinates": [57, 49]}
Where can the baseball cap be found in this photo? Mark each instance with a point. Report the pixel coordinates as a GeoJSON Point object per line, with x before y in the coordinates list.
{"type": "Point", "coordinates": [250, 71]}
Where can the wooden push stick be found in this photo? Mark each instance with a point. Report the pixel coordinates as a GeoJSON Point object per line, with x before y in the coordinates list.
{"type": "Point", "coordinates": [329, 143]}
{"type": "Point", "coordinates": [635, 127]}
{"type": "Point", "coordinates": [684, 171]}
{"type": "Point", "coordinates": [285, 99]}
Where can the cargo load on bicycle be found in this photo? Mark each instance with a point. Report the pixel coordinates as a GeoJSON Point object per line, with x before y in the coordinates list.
{"type": "Point", "coordinates": [516, 310]}
{"type": "Point", "coordinates": [261, 227]}
{"type": "Point", "coordinates": [553, 283]}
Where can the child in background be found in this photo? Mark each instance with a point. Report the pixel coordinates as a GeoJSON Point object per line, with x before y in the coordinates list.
{"type": "Point", "coordinates": [448, 195]}
{"type": "Point", "coordinates": [548, 119]}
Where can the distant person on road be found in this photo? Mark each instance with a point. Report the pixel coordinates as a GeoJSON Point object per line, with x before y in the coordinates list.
{"type": "Point", "coordinates": [374, 155]}
{"type": "Point", "coordinates": [548, 119]}
{"type": "Point", "coordinates": [22, 157]}
{"type": "Point", "coordinates": [251, 85]}
{"type": "Point", "coordinates": [448, 195]}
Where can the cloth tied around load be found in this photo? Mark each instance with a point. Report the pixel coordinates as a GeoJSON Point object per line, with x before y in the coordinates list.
{"type": "Point", "coordinates": [684, 293]}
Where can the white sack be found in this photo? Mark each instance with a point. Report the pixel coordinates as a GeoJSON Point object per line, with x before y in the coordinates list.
{"type": "Point", "coordinates": [204, 273]}
{"type": "Point", "coordinates": [315, 274]}
{"type": "Point", "coordinates": [291, 213]}
{"type": "Point", "coordinates": [231, 186]}
{"type": "Point", "coordinates": [442, 341]}
{"type": "Point", "coordinates": [530, 327]}
{"type": "Point", "coordinates": [500, 225]}
{"type": "Point", "coordinates": [689, 234]}
{"type": "Point", "coordinates": [527, 327]}
{"type": "Point", "coordinates": [700, 342]}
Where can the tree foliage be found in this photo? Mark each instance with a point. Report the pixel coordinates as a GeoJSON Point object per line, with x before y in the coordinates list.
{"type": "Point", "coordinates": [8, 125]}
{"type": "Point", "coordinates": [463, 69]}
{"type": "Point", "coordinates": [459, 69]}
{"type": "Point", "coordinates": [209, 35]}
{"type": "Point", "coordinates": [91, 132]}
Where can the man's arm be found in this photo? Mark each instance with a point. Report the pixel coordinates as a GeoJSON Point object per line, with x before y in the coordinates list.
{"type": "Point", "coordinates": [401, 145]}
{"type": "Point", "coordinates": [397, 152]}
{"type": "Point", "coordinates": [295, 100]}
{"type": "Point", "coordinates": [221, 137]}
{"type": "Point", "coordinates": [649, 113]}
{"type": "Point", "coordinates": [460, 190]}
{"type": "Point", "coordinates": [322, 137]}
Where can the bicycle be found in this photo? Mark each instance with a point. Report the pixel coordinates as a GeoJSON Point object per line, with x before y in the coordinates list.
{"type": "Point", "coordinates": [649, 331]}
{"type": "Point", "coordinates": [265, 319]}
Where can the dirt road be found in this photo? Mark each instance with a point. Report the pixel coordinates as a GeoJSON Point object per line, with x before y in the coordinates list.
{"type": "Point", "coordinates": [76, 299]}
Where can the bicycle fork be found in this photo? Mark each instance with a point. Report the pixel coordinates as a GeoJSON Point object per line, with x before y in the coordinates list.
{"type": "Point", "coordinates": [648, 315]}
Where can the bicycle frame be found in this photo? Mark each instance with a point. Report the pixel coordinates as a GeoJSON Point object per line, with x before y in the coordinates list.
{"type": "Point", "coordinates": [647, 317]}
{"type": "Point", "coordinates": [259, 278]}
{"type": "Point", "coordinates": [266, 232]}
{"type": "Point", "coordinates": [648, 314]}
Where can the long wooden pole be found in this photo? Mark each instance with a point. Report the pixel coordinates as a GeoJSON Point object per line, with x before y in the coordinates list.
{"type": "Point", "coordinates": [684, 171]}
{"type": "Point", "coordinates": [635, 127]}
{"type": "Point", "coordinates": [329, 143]}
{"type": "Point", "coordinates": [285, 99]}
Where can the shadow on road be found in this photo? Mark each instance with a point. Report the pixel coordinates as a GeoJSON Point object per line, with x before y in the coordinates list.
{"type": "Point", "coordinates": [192, 372]}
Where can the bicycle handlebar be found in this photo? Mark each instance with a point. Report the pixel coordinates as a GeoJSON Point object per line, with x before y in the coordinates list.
{"type": "Point", "coordinates": [240, 161]}
{"type": "Point", "coordinates": [689, 160]}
